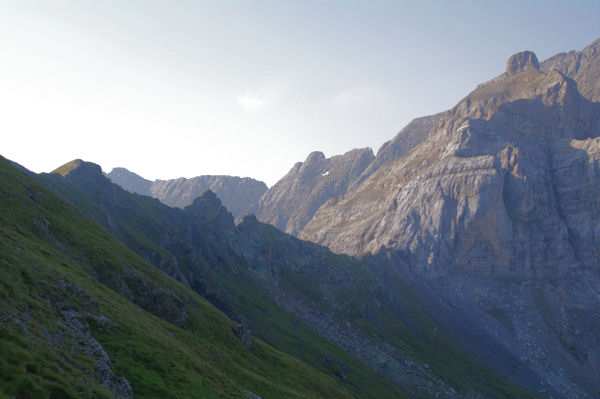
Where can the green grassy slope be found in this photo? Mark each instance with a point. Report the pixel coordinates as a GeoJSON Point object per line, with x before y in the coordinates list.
{"type": "Point", "coordinates": [67, 285]}
{"type": "Point", "coordinates": [214, 269]}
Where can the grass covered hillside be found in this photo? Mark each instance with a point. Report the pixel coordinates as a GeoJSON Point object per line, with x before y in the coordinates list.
{"type": "Point", "coordinates": [361, 322]}
{"type": "Point", "coordinates": [83, 316]}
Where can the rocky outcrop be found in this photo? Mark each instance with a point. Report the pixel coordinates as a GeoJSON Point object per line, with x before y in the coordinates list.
{"type": "Point", "coordinates": [581, 66]}
{"type": "Point", "coordinates": [243, 334]}
{"type": "Point", "coordinates": [521, 62]}
{"type": "Point", "coordinates": [237, 193]}
{"type": "Point", "coordinates": [293, 201]}
{"type": "Point", "coordinates": [494, 190]}
{"type": "Point", "coordinates": [77, 328]}
{"type": "Point", "coordinates": [207, 209]}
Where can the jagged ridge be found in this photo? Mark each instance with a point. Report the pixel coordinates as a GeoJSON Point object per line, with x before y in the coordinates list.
{"type": "Point", "coordinates": [237, 193]}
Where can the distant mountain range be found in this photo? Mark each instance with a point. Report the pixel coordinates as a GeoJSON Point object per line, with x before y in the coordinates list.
{"type": "Point", "coordinates": [461, 261]}
{"type": "Point", "coordinates": [237, 193]}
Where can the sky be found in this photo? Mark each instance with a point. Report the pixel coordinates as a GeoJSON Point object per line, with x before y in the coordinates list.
{"type": "Point", "coordinates": [181, 88]}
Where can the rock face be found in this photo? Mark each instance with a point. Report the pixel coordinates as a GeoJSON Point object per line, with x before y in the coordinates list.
{"type": "Point", "coordinates": [237, 193]}
{"type": "Point", "coordinates": [498, 209]}
{"type": "Point", "coordinates": [293, 201]}
{"type": "Point", "coordinates": [507, 183]}
{"type": "Point", "coordinates": [278, 205]}
{"type": "Point", "coordinates": [407, 139]}
{"type": "Point", "coordinates": [521, 61]}
{"type": "Point", "coordinates": [208, 209]}
{"type": "Point", "coordinates": [582, 66]}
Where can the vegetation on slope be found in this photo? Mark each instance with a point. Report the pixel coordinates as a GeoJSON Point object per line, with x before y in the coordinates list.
{"type": "Point", "coordinates": [70, 291]}
{"type": "Point", "coordinates": [257, 275]}
{"type": "Point", "coordinates": [196, 249]}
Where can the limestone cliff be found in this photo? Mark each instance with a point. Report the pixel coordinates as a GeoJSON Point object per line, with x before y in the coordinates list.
{"type": "Point", "coordinates": [293, 201]}
{"type": "Point", "coordinates": [582, 66]}
{"type": "Point", "coordinates": [506, 183]}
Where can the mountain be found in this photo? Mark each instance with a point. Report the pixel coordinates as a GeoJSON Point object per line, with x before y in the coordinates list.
{"type": "Point", "coordinates": [278, 205]}
{"type": "Point", "coordinates": [293, 201]}
{"type": "Point", "coordinates": [237, 193]}
{"type": "Point", "coordinates": [496, 210]}
{"type": "Point", "coordinates": [82, 316]}
{"type": "Point", "coordinates": [358, 321]}
{"type": "Point", "coordinates": [201, 247]}
{"type": "Point", "coordinates": [409, 137]}
{"type": "Point", "coordinates": [130, 181]}
{"type": "Point", "coordinates": [581, 66]}
{"type": "Point", "coordinates": [507, 183]}
{"type": "Point", "coordinates": [476, 271]}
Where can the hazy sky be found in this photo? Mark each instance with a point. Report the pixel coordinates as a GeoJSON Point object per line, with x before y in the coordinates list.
{"type": "Point", "coordinates": [248, 88]}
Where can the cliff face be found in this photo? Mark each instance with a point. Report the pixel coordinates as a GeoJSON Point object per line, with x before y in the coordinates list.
{"type": "Point", "coordinates": [506, 183]}
{"type": "Point", "coordinates": [491, 132]}
{"type": "Point", "coordinates": [538, 332]}
{"type": "Point", "coordinates": [497, 211]}
{"type": "Point", "coordinates": [293, 201]}
{"type": "Point", "coordinates": [408, 138]}
{"type": "Point", "coordinates": [582, 66]}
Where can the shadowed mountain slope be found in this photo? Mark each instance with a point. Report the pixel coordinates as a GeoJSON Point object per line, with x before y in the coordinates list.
{"type": "Point", "coordinates": [82, 316]}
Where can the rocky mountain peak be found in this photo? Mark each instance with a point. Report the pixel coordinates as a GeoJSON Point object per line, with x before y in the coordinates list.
{"type": "Point", "coordinates": [582, 66]}
{"type": "Point", "coordinates": [314, 156]}
{"type": "Point", "coordinates": [208, 208]}
{"type": "Point", "coordinates": [80, 167]}
{"type": "Point", "coordinates": [130, 181]}
{"type": "Point", "coordinates": [292, 202]}
{"type": "Point", "coordinates": [205, 202]}
{"type": "Point", "coordinates": [249, 219]}
{"type": "Point", "coordinates": [521, 61]}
